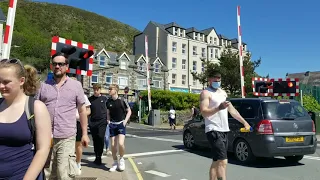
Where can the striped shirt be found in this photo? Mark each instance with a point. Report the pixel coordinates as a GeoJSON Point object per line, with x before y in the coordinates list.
{"type": "Point", "coordinates": [62, 105]}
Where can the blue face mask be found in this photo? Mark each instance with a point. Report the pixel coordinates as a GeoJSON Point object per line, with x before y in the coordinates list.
{"type": "Point", "coordinates": [216, 85]}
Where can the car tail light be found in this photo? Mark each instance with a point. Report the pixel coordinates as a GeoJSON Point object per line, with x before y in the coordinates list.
{"type": "Point", "coordinates": [265, 127]}
{"type": "Point", "coordinates": [313, 127]}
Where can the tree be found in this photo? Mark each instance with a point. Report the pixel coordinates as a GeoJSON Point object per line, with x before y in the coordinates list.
{"type": "Point", "coordinates": [229, 67]}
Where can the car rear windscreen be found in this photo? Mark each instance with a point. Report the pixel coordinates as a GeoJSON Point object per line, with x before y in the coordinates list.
{"type": "Point", "coordinates": [285, 110]}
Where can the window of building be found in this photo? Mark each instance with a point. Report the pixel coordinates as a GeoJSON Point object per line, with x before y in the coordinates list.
{"type": "Point", "coordinates": [184, 48]}
{"type": "Point", "coordinates": [215, 41]}
{"type": "Point", "coordinates": [157, 67]}
{"type": "Point", "coordinates": [102, 62]}
{"type": "Point", "coordinates": [108, 79]}
{"type": "Point", "coordinates": [194, 65]}
{"type": "Point", "coordinates": [94, 78]}
{"type": "Point", "coordinates": [174, 46]}
{"type": "Point", "coordinates": [183, 79]}
{"type": "Point", "coordinates": [203, 52]}
{"type": "Point", "coordinates": [157, 82]}
{"type": "Point", "coordinates": [174, 77]}
{"type": "Point", "coordinates": [211, 53]}
{"type": "Point", "coordinates": [142, 83]}
{"type": "Point", "coordinates": [174, 63]}
{"type": "Point", "coordinates": [210, 40]}
{"type": "Point", "coordinates": [123, 64]}
{"type": "Point", "coordinates": [202, 67]}
{"type": "Point", "coordinates": [194, 50]}
{"type": "Point", "coordinates": [122, 82]}
{"type": "Point", "coordinates": [184, 62]}
{"type": "Point", "coordinates": [216, 53]}
{"type": "Point", "coordinates": [142, 66]}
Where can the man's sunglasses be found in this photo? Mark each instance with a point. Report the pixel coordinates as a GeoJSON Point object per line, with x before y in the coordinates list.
{"type": "Point", "coordinates": [59, 64]}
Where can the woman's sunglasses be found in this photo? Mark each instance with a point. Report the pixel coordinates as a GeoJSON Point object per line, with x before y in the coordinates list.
{"type": "Point", "coordinates": [11, 61]}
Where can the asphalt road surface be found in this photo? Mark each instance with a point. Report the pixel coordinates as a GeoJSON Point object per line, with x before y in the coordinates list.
{"type": "Point", "coordinates": [158, 154]}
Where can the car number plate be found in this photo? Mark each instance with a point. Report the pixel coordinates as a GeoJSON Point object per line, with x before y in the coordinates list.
{"type": "Point", "coordinates": [294, 139]}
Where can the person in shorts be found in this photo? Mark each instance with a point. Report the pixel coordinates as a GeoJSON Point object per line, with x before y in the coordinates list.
{"type": "Point", "coordinates": [118, 114]}
{"type": "Point", "coordinates": [172, 118]}
{"type": "Point", "coordinates": [214, 108]}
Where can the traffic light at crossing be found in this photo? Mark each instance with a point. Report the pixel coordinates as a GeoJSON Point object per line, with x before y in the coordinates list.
{"type": "Point", "coordinates": [275, 87]}
{"type": "Point", "coordinates": [284, 87]}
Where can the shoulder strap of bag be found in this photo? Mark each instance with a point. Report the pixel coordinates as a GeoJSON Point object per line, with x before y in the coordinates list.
{"type": "Point", "coordinates": [29, 109]}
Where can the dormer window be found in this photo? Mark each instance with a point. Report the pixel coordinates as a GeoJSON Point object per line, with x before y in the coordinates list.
{"type": "Point", "coordinates": [102, 61]}
{"type": "Point", "coordinates": [123, 65]}
{"type": "Point", "coordinates": [142, 66]}
{"type": "Point", "coordinates": [210, 40]}
{"type": "Point", "coordinates": [215, 41]}
{"type": "Point", "coordinates": [157, 67]}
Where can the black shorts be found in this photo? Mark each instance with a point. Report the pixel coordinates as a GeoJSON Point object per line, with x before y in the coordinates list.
{"type": "Point", "coordinates": [172, 121]}
{"type": "Point", "coordinates": [219, 144]}
{"type": "Point", "coordinates": [79, 132]}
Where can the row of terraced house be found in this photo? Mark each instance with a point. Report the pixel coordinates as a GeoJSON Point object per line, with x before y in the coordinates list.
{"type": "Point", "coordinates": [174, 52]}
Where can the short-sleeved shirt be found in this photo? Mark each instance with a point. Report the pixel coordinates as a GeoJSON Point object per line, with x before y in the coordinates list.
{"type": "Point", "coordinates": [86, 103]}
{"type": "Point", "coordinates": [117, 109]}
{"type": "Point", "coordinates": [98, 108]}
{"type": "Point", "coordinates": [62, 105]}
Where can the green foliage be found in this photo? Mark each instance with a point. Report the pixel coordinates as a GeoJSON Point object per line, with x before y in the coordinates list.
{"type": "Point", "coordinates": [229, 67]}
{"type": "Point", "coordinates": [37, 22]}
{"type": "Point", "coordinates": [163, 99]}
{"type": "Point", "coordinates": [310, 103]}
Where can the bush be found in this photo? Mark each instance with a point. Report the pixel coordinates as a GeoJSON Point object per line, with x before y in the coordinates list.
{"type": "Point", "coordinates": [163, 99]}
{"type": "Point", "coordinates": [310, 103]}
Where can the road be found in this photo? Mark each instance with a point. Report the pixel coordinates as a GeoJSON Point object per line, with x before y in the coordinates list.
{"type": "Point", "coordinates": [159, 154]}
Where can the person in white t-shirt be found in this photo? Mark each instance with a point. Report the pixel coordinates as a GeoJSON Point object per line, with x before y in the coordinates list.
{"type": "Point", "coordinates": [214, 108]}
{"type": "Point", "coordinates": [79, 135]}
{"type": "Point", "coordinates": [172, 118]}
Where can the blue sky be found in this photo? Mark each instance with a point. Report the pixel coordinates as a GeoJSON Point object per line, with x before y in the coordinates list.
{"type": "Point", "coordinates": [282, 32]}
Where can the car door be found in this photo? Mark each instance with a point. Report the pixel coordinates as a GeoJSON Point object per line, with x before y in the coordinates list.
{"type": "Point", "coordinates": [198, 127]}
{"type": "Point", "coordinates": [233, 123]}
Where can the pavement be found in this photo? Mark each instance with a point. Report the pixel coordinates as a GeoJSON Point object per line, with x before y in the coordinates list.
{"type": "Point", "coordinates": [155, 153]}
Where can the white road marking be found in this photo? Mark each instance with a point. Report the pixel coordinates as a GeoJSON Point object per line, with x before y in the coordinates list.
{"type": "Point", "coordinates": [151, 129]}
{"type": "Point", "coordinates": [183, 179]}
{"type": "Point", "coordinates": [139, 163]}
{"type": "Point", "coordinates": [157, 173]}
{"type": "Point", "coordinates": [152, 153]}
{"type": "Point", "coordinates": [155, 138]}
{"type": "Point", "coordinates": [142, 154]}
{"type": "Point", "coordinates": [312, 158]}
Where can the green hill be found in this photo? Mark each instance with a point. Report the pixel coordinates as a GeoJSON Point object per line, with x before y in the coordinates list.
{"type": "Point", "coordinates": [36, 23]}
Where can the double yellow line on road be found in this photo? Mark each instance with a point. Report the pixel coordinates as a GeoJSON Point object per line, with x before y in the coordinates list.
{"type": "Point", "coordinates": [135, 168]}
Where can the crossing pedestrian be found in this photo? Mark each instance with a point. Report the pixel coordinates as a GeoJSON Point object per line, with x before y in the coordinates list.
{"type": "Point", "coordinates": [214, 107]}
{"type": "Point", "coordinates": [64, 96]}
{"type": "Point", "coordinates": [98, 121]}
{"type": "Point", "coordinates": [118, 114]}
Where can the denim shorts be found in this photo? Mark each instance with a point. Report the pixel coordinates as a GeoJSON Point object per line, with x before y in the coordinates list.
{"type": "Point", "coordinates": [116, 129]}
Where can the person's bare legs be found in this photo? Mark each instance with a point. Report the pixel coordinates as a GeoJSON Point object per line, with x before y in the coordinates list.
{"type": "Point", "coordinates": [78, 152]}
{"type": "Point", "coordinates": [114, 147]}
{"type": "Point", "coordinates": [121, 139]}
{"type": "Point", "coordinates": [218, 170]}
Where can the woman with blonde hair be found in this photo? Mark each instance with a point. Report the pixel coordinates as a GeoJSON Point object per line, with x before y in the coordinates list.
{"type": "Point", "coordinates": [18, 158]}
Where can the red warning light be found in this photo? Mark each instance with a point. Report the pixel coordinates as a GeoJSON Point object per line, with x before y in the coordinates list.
{"type": "Point", "coordinates": [290, 84]}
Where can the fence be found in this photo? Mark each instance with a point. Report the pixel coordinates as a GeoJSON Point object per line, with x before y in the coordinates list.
{"type": "Point", "coordinates": [310, 90]}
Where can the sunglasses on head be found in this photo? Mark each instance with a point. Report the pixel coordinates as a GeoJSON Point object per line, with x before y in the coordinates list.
{"type": "Point", "coordinates": [12, 61]}
{"type": "Point", "coordinates": [59, 64]}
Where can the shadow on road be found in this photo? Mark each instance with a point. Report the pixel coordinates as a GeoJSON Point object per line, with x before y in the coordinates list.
{"type": "Point", "coordinates": [259, 163]}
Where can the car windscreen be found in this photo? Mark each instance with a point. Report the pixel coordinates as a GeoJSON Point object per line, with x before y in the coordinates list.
{"type": "Point", "coordinates": [284, 110]}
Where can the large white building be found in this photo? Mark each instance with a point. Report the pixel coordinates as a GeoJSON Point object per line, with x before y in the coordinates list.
{"type": "Point", "coordinates": [181, 51]}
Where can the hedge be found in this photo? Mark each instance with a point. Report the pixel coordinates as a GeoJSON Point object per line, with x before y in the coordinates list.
{"type": "Point", "coordinates": [163, 99]}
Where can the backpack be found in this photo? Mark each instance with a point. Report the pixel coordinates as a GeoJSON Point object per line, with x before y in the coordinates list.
{"type": "Point", "coordinates": [29, 110]}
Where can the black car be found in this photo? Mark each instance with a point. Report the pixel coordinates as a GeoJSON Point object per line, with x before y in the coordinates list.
{"type": "Point", "coordinates": [280, 128]}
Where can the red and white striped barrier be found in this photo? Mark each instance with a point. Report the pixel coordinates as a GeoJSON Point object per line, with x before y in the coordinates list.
{"type": "Point", "coordinates": [148, 75]}
{"type": "Point", "coordinates": [7, 39]}
{"type": "Point", "coordinates": [56, 39]}
{"type": "Point", "coordinates": [243, 90]}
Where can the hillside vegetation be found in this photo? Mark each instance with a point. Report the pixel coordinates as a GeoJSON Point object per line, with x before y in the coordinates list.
{"type": "Point", "coordinates": [37, 22]}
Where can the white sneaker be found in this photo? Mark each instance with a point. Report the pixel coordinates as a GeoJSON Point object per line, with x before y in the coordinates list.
{"type": "Point", "coordinates": [114, 167]}
{"type": "Point", "coordinates": [78, 172]}
{"type": "Point", "coordinates": [122, 165]}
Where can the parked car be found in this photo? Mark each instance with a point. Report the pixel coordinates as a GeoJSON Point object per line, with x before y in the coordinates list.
{"type": "Point", "coordinates": [280, 128]}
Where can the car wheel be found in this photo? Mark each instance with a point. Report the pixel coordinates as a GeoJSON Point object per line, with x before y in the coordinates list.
{"type": "Point", "coordinates": [293, 159]}
{"type": "Point", "coordinates": [243, 151]}
{"type": "Point", "coordinates": [188, 140]}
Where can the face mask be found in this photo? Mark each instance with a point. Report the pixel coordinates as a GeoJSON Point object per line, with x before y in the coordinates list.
{"type": "Point", "coordinates": [215, 85]}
